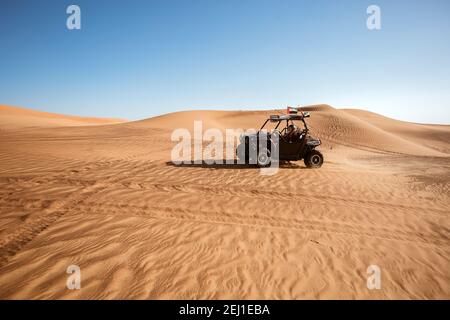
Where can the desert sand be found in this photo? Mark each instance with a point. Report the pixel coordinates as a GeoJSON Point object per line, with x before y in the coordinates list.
{"type": "Point", "coordinates": [102, 194]}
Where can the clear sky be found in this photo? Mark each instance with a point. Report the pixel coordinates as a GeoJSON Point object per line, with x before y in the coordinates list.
{"type": "Point", "coordinates": [135, 59]}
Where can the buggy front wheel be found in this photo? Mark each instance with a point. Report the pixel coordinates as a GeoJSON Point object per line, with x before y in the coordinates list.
{"type": "Point", "coordinates": [313, 159]}
{"type": "Point", "coordinates": [263, 159]}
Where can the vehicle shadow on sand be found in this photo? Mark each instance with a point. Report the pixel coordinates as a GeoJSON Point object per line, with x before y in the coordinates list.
{"type": "Point", "coordinates": [233, 165]}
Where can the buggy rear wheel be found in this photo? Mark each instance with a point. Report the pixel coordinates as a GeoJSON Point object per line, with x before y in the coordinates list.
{"type": "Point", "coordinates": [242, 154]}
{"type": "Point", "coordinates": [313, 159]}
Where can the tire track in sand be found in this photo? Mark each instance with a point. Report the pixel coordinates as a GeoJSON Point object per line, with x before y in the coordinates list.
{"type": "Point", "coordinates": [11, 244]}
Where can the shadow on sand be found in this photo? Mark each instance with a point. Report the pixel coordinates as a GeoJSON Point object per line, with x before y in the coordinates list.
{"type": "Point", "coordinates": [232, 164]}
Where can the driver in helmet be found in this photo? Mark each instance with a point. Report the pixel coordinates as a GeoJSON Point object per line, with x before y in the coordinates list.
{"type": "Point", "coordinates": [292, 132]}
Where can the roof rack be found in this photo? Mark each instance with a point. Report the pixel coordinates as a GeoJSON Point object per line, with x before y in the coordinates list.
{"type": "Point", "coordinates": [278, 117]}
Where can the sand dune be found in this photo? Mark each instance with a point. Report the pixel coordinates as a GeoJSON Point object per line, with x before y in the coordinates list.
{"type": "Point", "coordinates": [108, 199]}
{"type": "Point", "coordinates": [15, 117]}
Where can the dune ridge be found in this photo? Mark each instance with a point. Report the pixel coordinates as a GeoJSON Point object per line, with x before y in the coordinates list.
{"type": "Point", "coordinates": [107, 198]}
{"type": "Point", "coordinates": [18, 117]}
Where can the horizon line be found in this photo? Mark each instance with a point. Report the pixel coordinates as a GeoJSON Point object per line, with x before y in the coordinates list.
{"type": "Point", "coordinates": [220, 109]}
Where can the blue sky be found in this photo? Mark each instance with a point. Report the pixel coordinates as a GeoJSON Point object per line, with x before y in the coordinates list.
{"type": "Point", "coordinates": [135, 59]}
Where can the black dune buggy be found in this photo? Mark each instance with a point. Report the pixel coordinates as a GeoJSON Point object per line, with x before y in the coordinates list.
{"type": "Point", "coordinates": [292, 143]}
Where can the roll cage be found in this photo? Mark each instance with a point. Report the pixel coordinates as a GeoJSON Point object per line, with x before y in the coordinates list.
{"type": "Point", "coordinates": [289, 118]}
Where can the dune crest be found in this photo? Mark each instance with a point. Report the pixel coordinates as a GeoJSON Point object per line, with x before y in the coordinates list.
{"type": "Point", "coordinates": [353, 128]}
{"type": "Point", "coordinates": [17, 117]}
